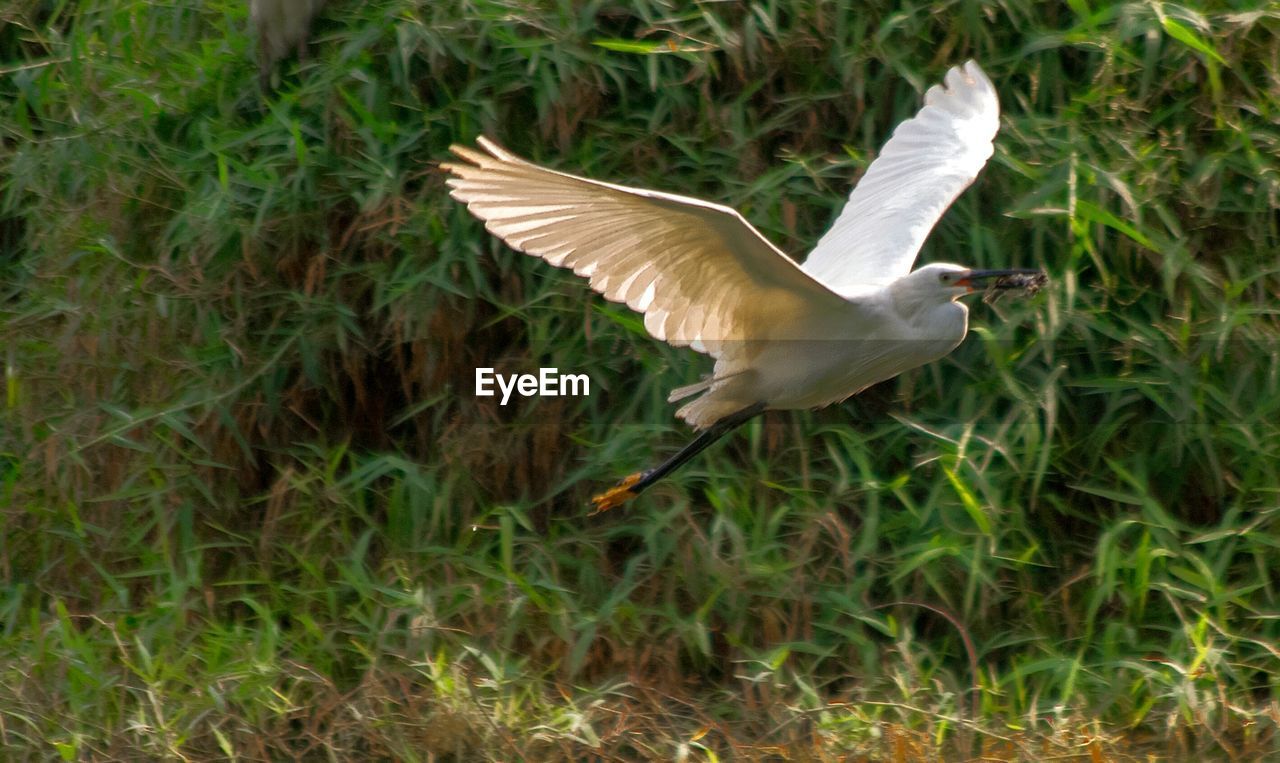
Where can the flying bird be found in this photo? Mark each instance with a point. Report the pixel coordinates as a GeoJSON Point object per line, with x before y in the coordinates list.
{"type": "Point", "coordinates": [783, 335]}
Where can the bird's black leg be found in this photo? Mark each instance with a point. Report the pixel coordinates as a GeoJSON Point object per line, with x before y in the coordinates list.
{"type": "Point", "coordinates": [633, 485]}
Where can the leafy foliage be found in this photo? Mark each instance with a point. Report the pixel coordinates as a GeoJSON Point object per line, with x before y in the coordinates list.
{"type": "Point", "coordinates": [252, 509]}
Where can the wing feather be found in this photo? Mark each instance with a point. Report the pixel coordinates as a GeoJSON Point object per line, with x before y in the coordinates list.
{"type": "Point", "coordinates": [699, 272]}
{"type": "Point", "coordinates": [930, 159]}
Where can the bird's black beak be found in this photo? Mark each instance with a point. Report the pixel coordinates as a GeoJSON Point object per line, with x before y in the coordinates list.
{"type": "Point", "coordinates": [1015, 278]}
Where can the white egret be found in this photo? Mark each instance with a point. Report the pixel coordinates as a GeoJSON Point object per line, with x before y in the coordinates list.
{"type": "Point", "coordinates": [282, 25]}
{"type": "Point", "coordinates": [783, 335]}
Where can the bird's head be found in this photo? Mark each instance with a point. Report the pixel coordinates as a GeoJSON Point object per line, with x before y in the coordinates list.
{"type": "Point", "coordinates": [943, 281]}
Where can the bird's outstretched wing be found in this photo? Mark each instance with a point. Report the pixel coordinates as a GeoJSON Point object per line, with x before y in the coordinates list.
{"type": "Point", "coordinates": [930, 159]}
{"type": "Point", "coordinates": [698, 271]}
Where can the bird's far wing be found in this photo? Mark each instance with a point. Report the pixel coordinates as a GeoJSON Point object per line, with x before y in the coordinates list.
{"type": "Point", "coordinates": [930, 159]}
{"type": "Point", "coordinates": [698, 271]}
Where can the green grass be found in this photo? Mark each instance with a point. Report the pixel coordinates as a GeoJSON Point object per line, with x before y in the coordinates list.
{"type": "Point", "coordinates": [252, 510]}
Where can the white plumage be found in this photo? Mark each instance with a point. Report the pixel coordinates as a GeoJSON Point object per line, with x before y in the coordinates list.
{"type": "Point", "coordinates": [930, 159]}
{"type": "Point", "coordinates": [784, 336]}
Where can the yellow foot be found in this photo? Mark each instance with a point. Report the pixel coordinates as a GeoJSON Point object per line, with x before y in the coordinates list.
{"type": "Point", "coordinates": [617, 495]}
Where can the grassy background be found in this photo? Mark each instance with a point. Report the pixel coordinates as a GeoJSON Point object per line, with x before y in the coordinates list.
{"type": "Point", "coordinates": [251, 508]}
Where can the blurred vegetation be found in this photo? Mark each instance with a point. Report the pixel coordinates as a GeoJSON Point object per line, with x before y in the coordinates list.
{"type": "Point", "coordinates": [251, 508]}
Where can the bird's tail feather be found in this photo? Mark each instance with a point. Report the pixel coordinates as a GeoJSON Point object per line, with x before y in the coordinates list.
{"type": "Point", "coordinates": [707, 410]}
{"type": "Point", "coordinates": [680, 393]}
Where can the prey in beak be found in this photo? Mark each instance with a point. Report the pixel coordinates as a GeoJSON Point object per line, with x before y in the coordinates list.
{"type": "Point", "coordinates": [996, 283]}
{"type": "Point", "coordinates": [1017, 278]}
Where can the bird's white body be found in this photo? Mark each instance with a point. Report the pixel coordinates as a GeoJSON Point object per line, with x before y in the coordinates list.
{"type": "Point", "coordinates": [810, 359]}
{"type": "Point", "coordinates": [784, 336]}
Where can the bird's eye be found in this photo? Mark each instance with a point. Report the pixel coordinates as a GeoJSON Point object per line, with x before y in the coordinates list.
{"type": "Point", "coordinates": [946, 277]}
